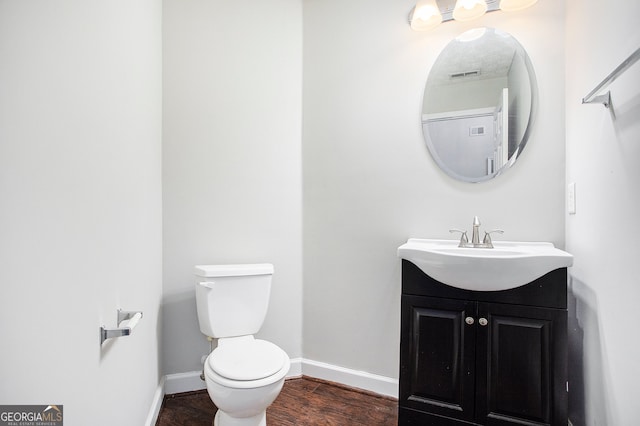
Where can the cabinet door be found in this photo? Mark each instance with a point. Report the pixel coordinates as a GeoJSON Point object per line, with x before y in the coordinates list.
{"type": "Point", "coordinates": [521, 365]}
{"type": "Point", "coordinates": [437, 357]}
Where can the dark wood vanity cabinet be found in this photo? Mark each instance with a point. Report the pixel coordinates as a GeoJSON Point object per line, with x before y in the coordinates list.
{"type": "Point", "coordinates": [483, 358]}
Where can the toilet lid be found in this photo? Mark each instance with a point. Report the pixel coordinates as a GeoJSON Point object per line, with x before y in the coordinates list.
{"type": "Point", "coordinates": [247, 360]}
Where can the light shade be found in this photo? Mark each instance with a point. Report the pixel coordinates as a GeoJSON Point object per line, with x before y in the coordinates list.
{"type": "Point", "coordinates": [511, 5]}
{"type": "Point", "coordinates": [425, 16]}
{"type": "Point", "coordinates": [466, 10]}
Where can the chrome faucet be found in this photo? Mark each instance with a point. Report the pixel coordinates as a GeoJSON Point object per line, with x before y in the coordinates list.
{"type": "Point", "coordinates": [475, 236]}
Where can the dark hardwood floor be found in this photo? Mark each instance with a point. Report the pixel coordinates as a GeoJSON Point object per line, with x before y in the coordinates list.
{"type": "Point", "coordinates": [302, 401]}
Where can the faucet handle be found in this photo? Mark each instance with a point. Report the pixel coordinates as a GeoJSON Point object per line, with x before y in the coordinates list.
{"type": "Point", "coordinates": [487, 236]}
{"type": "Point", "coordinates": [464, 240]}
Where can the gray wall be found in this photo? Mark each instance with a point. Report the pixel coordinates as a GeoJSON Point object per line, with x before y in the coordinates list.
{"type": "Point", "coordinates": [369, 182]}
{"type": "Point", "coordinates": [603, 150]}
{"type": "Point", "coordinates": [80, 205]}
{"type": "Point", "coordinates": [232, 190]}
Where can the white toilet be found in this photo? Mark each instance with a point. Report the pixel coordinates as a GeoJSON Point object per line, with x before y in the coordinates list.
{"type": "Point", "coordinates": [244, 375]}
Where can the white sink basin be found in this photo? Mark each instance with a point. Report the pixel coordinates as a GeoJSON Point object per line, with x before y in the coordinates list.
{"type": "Point", "coordinates": [508, 265]}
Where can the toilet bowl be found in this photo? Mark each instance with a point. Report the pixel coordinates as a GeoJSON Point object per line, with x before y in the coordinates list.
{"type": "Point", "coordinates": [244, 375]}
{"type": "Point", "coordinates": [243, 378]}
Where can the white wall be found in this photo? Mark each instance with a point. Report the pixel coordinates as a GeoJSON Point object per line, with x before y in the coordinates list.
{"type": "Point", "coordinates": [369, 182]}
{"type": "Point", "coordinates": [80, 205]}
{"type": "Point", "coordinates": [231, 160]}
{"type": "Point", "coordinates": [602, 159]}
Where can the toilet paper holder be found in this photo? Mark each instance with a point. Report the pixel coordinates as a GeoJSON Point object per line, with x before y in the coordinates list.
{"type": "Point", "coordinates": [131, 318]}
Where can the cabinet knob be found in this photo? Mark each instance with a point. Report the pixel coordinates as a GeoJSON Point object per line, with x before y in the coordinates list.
{"type": "Point", "coordinates": [469, 320]}
{"type": "Point", "coordinates": [483, 321]}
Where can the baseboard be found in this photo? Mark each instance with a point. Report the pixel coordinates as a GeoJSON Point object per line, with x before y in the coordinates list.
{"type": "Point", "coordinates": [190, 381]}
{"type": "Point", "coordinates": [295, 370]}
{"type": "Point", "coordinates": [357, 379]}
{"type": "Point", "coordinates": [156, 404]}
{"type": "Point", "coordinates": [183, 382]}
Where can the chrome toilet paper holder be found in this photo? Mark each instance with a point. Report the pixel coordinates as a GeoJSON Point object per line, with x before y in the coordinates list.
{"type": "Point", "coordinates": [130, 320]}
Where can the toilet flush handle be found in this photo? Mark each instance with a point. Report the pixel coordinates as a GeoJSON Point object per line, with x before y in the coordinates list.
{"type": "Point", "coordinates": [207, 284]}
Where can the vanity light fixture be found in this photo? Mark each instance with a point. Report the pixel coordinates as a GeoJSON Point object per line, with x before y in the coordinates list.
{"type": "Point", "coordinates": [425, 15]}
{"type": "Point", "coordinates": [428, 14]}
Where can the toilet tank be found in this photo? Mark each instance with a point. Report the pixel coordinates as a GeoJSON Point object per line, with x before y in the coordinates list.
{"type": "Point", "coordinates": [232, 300]}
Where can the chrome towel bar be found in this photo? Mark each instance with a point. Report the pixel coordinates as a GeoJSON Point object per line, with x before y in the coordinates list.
{"type": "Point", "coordinates": [605, 98]}
{"type": "Point", "coordinates": [127, 320]}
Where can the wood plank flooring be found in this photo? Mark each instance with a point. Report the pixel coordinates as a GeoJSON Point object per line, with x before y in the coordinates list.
{"type": "Point", "coordinates": [302, 401]}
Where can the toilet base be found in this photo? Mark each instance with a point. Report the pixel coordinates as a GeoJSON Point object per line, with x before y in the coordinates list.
{"type": "Point", "coordinates": [223, 419]}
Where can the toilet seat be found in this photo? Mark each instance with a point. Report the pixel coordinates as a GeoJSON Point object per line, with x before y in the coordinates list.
{"type": "Point", "coordinates": [247, 359]}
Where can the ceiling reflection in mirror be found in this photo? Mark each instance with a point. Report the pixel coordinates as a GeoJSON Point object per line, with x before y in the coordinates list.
{"type": "Point", "coordinates": [478, 105]}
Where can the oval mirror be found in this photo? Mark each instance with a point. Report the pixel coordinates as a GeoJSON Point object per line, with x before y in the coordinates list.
{"type": "Point", "coordinates": [478, 105]}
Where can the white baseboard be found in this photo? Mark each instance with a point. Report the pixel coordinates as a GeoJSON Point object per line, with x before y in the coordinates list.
{"type": "Point", "coordinates": [190, 381]}
{"type": "Point", "coordinates": [156, 404]}
{"type": "Point", "coordinates": [183, 382]}
{"type": "Point", "coordinates": [357, 379]}
{"type": "Point", "coordinates": [296, 368]}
